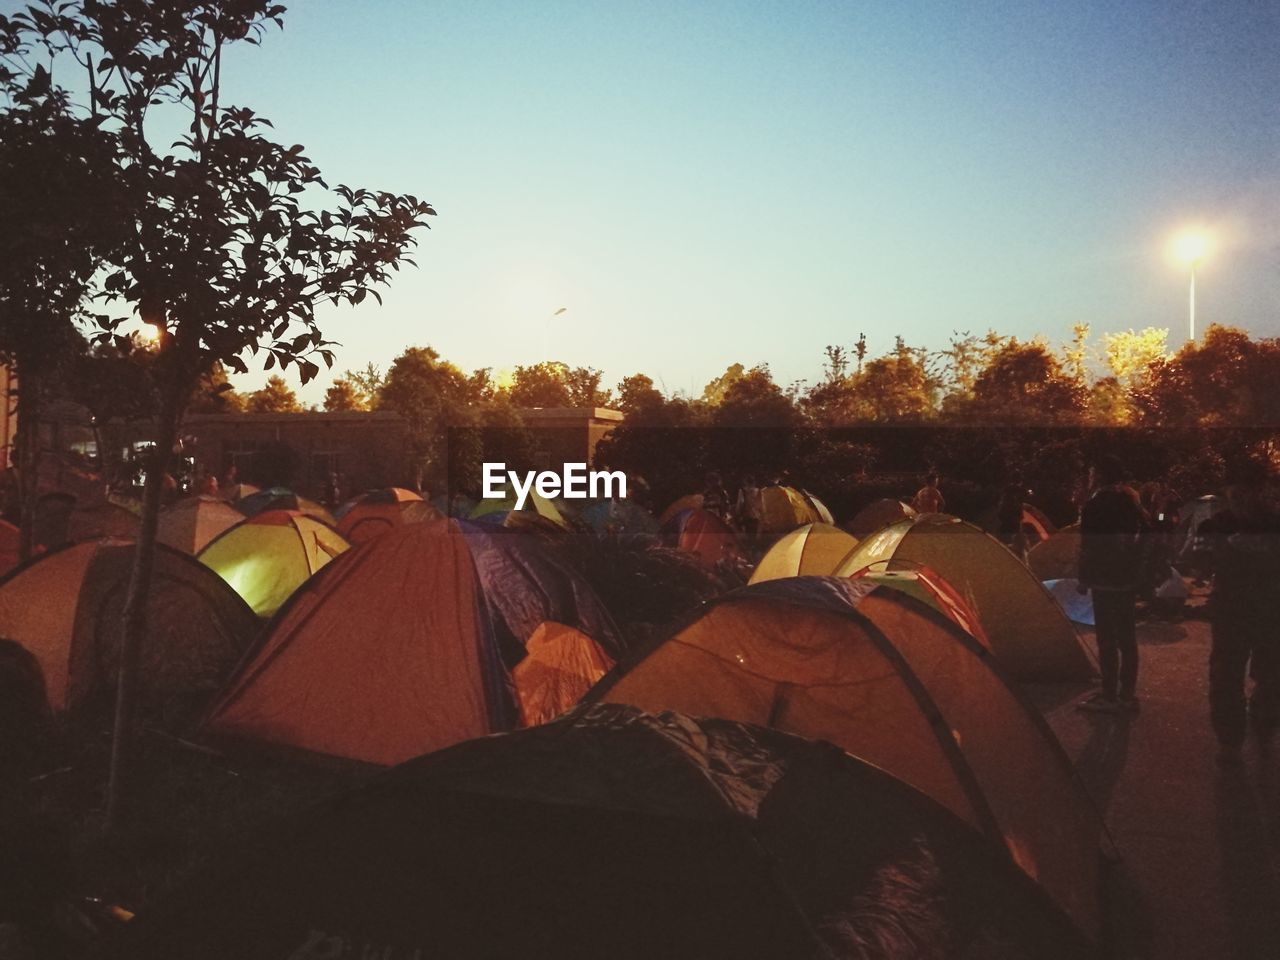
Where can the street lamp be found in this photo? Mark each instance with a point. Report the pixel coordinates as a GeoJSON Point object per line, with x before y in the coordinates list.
{"type": "Point", "coordinates": [1190, 249]}
{"type": "Point", "coordinates": [546, 334]}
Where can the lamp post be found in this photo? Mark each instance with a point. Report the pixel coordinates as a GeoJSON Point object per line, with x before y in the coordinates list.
{"type": "Point", "coordinates": [1190, 250]}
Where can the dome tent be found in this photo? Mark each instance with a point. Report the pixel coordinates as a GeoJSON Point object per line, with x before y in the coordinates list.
{"type": "Point", "coordinates": [405, 644]}
{"type": "Point", "coordinates": [281, 498]}
{"type": "Point", "coordinates": [785, 508]}
{"type": "Point", "coordinates": [891, 681]}
{"type": "Point", "coordinates": [66, 607]}
{"type": "Point", "coordinates": [1058, 557]}
{"type": "Point", "coordinates": [815, 549]}
{"type": "Point", "coordinates": [703, 534]}
{"type": "Point", "coordinates": [877, 515]}
{"type": "Point", "coordinates": [189, 525]}
{"type": "Point", "coordinates": [655, 837]}
{"type": "Point", "coordinates": [1029, 634]}
{"type": "Point", "coordinates": [267, 557]}
{"type": "Point", "coordinates": [378, 511]}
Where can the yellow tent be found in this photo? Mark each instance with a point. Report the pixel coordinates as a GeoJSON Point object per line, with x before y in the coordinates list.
{"type": "Point", "coordinates": [785, 509]}
{"type": "Point", "coordinates": [1029, 633]}
{"type": "Point", "coordinates": [815, 549]}
{"type": "Point", "coordinates": [267, 557]}
{"type": "Point", "coordinates": [877, 515]}
{"type": "Point", "coordinates": [889, 680]}
{"type": "Point", "coordinates": [505, 510]}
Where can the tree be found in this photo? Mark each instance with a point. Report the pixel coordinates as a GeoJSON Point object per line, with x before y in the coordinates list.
{"type": "Point", "coordinates": [1024, 382]}
{"type": "Point", "coordinates": [215, 394]}
{"type": "Point", "coordinates": [583, 384]}
{"type": "Point", "coordinates": [368, 381]}
{"type": "Point", "coordinates": [1131, 355]}
{"type": "Point", "coordinates": [713, 393]}
{"type": "Point", "coordinates": [275, 396]}
{"type": "Point", "coordinates": [343, 394]}
{"type": "Point", "coordinates": [433, 395]}
{"type": "Point", "coordinates": [543, 384]}
{"type": "Point", "coordinates": [220, 253]}
{"type": "Point", "coordinates": [59, 205]}
{"type": "Point", "coordinates": [636, 393]}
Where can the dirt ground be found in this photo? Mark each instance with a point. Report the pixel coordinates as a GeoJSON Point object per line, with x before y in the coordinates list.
{"type": "Point", "coordinates": [1200, 875]}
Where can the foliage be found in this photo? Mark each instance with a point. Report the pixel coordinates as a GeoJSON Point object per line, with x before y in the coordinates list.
{"type": "Point", "coordinates": [637, 393]}
{"type": "Point", "coordinates": [1025, 382]}
{"type": "Point", "coordinates": [343, 394]}
{"type": "Point", "coordinates": [275, 396]}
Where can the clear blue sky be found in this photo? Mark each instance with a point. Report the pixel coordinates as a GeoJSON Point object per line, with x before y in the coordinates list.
{"type": "Point", "coordinates": [702, 183]}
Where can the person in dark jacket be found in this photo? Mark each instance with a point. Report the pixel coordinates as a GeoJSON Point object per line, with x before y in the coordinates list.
{"type": "Point", "coordinates": [1243, 616]}
{"type": "Point", "coordinates": [1111, 527]}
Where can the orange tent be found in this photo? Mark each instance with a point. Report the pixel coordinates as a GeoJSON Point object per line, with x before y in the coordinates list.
{"type": "Point", "coordinates": [703, 534]}
{"type": "Point", "coordinates": [381, 510]}
{"type": "Point", "coordinates": [561, 665]}
{"type": "Point", "coordinates": [66, 608]}
{"type": "Point", "coordinates": [892, 682]}
{"type": "Point", "coordinates": [9, 538]}
{"type": "Point", "coordinates": [189, 525]}
{"type": "Point", "coordinates": [404, 645]}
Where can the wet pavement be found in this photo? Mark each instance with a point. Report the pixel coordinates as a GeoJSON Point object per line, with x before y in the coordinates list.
{"type": "Point", "coordinates": [1200, 844]}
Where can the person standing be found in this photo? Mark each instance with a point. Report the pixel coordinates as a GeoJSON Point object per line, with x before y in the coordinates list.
{"type": "Point", "coordinates": [1111, 528]}
{"type": "Point", "coordinates": [1243, 617]}
{"type": "Point", "coordinates": [750, 507]}
{"type": "Point", "coordinates": [928, 499]}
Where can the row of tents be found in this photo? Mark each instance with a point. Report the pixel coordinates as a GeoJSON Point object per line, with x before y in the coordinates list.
{"type": "Point", "coordinates": [902, 649]}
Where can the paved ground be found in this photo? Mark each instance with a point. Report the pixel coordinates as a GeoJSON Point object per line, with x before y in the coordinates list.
{"type": "Point", "coordinates": [1200, 878]}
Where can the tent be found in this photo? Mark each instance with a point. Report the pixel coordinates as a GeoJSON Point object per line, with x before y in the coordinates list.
{"type": "Point", "coordinates": [824, 515]}
{"type": "Point", "coordinates": [66, 606]}
{"type": "Point", "coordinates": [279, 498]}
{"type": "Point", "coordinates": [1057, 558]}
{"type": "Point", "coordinates": [267, 557]}
{"type": "Point", "coordinates": [1191, 553]}
{"type": "Point", "coordinates": [238, 491]}
{"type": "Point", "coordinates": [405, 644]}
{"type": "Point", "coordinates": [703, 534]}
{"type": "Point", "coordinates": [784, 508]}
{"type": "Point", "coordinates": [10, 537]}
{"type": "Point", "coordinates": [503, 511]}
{"type": "Point", "coordinates": [1029, 633]}
{"type": "Point", "coordinates": [561, 666]}
{"type": "Point", "coordinates": [378, 511]}
{"type": "Point", "coordinates": [1076, 605]}
{"type": "Point", "coordinates": [459, 505]}
{"type": "Point", "coordinates": [929, 587]}
{"type": "Point", "coordinates": [690, 501]}
{"type": "Point", "coordinates": [104, 519]}
{"type": "Point", "coordinates": [623, 517]}
{"type": "Point", "coordinates": [815, 549]}
{"type": "Point", "coordinates": [1036, 525]}
{"type": "Point", "coordinates": [890, 681]}
{"type": "Point", "coordinates": [190, 524]}
{"type": "Point", "coordinates": [876, 516]}
{"type": "Point", "coordinates": [610, 833]}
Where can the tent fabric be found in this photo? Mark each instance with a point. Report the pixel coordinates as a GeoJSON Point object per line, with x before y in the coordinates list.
{"type": "Point", "coordinates": [384, 495]}
{"type": "Point", "coordinates": [890, 681]}
{"type": "Point", "coordinates": [189, 525]}
{"type": "Point", "coordinates": [10, 539]}
{"type": "Point", "coordinates": [405, 643]}
{"type": "Point", "coordinates": [824, 514]}
{"type": "Point", "coordinates": [105, 519]}
{"type": "Point", "coordinates": [878, 515]}
{"type": "Point", "coordinates": [66, 608]}
{"type": "Point", "coordinates": [784, 508]}
{"type": "Point", "coordinates": [703, 534]}
{"type": "Point", "coordinates": [690, 501]}
{"type": "Point", "coordinates": [1057, 558]}
{"type": "Point", "coordinates": [238, 491]}
{"type": "Point", "coordinates": [1076, 605]}
{"type": "Point", "coordinates": [815, 549]}
{"type": "Point", "coordinates": [929, 587]}
{"type": "Point", "coordinates": [280, 498]}
{"type": "Point", "coordinates": [1191, 516]}
{"type": "Point", "coordinates": [1029, 634]}
{"type": "Point", "coordinates": [561, 666]}
{"type": "Point", "coordinates": [367, 518]}
{"type": "Point", "coordinates": [610, 833]}
{"type": "Point", "coordinates": [1036, 524]}
{"type": "Point", "coordinates": [267, 557]}
{"type": "Point", "coordinates": [622, 517]}
{"type": "Point", "coordinates": [500, 511]}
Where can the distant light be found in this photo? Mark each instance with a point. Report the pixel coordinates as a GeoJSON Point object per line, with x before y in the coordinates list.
{"type": "Point", "coordinates": [149, 333]}
{"type": "Point", "coordinates": [1190, 247]}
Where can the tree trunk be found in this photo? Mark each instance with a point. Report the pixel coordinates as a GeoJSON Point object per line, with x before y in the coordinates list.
{"type": "Point", "coordinates": [135, 612]}
{"type": "Point", "coordinates": [27, 460]}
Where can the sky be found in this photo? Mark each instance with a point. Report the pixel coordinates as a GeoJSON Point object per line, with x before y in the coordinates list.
{"type": "Point", "coordinates": [706, 183]}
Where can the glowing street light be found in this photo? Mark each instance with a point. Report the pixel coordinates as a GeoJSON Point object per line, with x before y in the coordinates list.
{"type": "Point", "coordinates": [1190, 249]}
